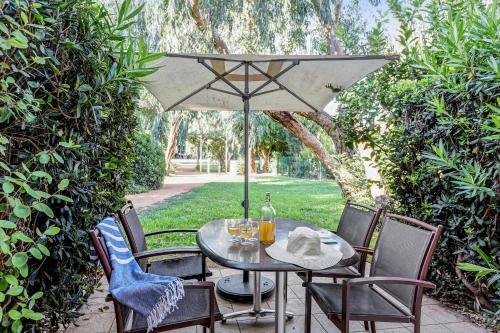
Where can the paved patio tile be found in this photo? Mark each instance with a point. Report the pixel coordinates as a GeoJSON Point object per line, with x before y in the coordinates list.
{"type": "Point", "coordinates": [93, 322]}
{"type": "Point", "coordinates": [98, 315]}
{"type": "Point", "coordinates": [441, 314]}
{"type": "Point", "coordinates": [266, 325]}
{"type": "Point", "coordinates": [465, 327]}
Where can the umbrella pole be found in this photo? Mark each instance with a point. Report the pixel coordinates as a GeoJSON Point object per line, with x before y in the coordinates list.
{"type": "Point", "coordinates": [246, 110]}
{"type": "Point", "coordinates": [232, 287]}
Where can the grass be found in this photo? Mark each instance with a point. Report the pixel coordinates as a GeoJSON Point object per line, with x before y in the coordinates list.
{"type": "Point", "coordinates": [319, 203]}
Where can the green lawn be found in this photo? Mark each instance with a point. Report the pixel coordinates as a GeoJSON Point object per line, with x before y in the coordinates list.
{"type": "Point", "coordinates": [319, 203]}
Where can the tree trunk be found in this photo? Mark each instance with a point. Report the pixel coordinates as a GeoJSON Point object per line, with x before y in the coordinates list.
{"type": "Point", "coordinates": [326, 122]}
{"type": "Point", "coordinates": [252, 160]}
{"type": "Point", "coordinates": [266, 154]}
{"type": "Point", "coordinates": [343, 178]}
{"type": "Point", "coordinates": [172, 141]}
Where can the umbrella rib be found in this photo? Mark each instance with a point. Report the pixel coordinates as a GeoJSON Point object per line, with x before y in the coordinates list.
{"type": "Point", "coordinates": [273, 79]}
{"type": "Point", "coordinates": [206, 86]}
{"type": "Point", "coordinates": [224, 91]}
{"type": "Point", "coordinates": [270, 78]}
{"type": "Point", "coordinates": [221, 76]}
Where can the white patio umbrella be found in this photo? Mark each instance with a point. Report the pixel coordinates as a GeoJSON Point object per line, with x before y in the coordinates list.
{"type": "Point", "coordinates": [205, 82]}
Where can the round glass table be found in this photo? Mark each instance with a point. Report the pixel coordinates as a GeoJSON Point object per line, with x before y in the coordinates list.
{"type": "Point", "coordinates": [215, 242]}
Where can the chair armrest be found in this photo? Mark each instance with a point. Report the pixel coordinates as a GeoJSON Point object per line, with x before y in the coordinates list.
{"type": "Point", "coordinates": [389, 280]}
{"type": "Point", "coordinates": [364, 250]}
{"type": "Point", "coordinates": [198, 285]}
{"type": "Point", "coordinates": [162, 252]}
{"type": "Point", "coordinates": [169, 231]}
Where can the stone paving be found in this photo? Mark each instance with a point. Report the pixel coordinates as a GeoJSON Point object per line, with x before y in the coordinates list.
{"type": "Point", "coordinates": [98, 315]}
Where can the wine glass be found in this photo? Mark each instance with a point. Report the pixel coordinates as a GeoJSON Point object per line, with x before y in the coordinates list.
{"type": "Point", "coordinates": [233, 229]}
{"type": "Point", "coordinates": [245, 233]}
{"type": "Point", "coordinates": [255, 229]}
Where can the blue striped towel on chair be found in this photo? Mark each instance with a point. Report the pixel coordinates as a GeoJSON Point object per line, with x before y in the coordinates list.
{"type": "Point", "coordinates": [152, 296]}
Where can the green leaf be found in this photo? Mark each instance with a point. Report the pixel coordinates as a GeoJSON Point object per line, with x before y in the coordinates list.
{"type": "Point", "coordinates": [15, 42]}
{"type": "Point", "coordinates": [84, 87]}
{"type": "Point", "coordinates": [4, 166]}
{"type": "Point", "coordinates": [35, 316]}
{"type": "Point", "coordinates": [36, 253]}
{"type": "Point", "coordinates": [22, 211]}
{"type": "Point", "coordinates": [19, 259]}
{"type": "Point", "coordinates": [24, 17]}
{"type": "Point", "coordinates": [52, 231]}
{"type": "Point", "coordinates": [15, 290]}
{"type": "Point", "coordinates": [19, 235]}
{"type": "Point", "coordinates": [14, 314]}
{"type": "Point", "coordinates": [41, 207]}
{"type": "Point", "coordinates": [8, 187]}
{"type": "Point", "coordinates": [11, 279]}
{"type": "Point", "coordinates": [23, 270]}
{"type": "Point", "coordinates": [43, 249]}
{"type": "Point", "coordinates": [63, 184]}
{"type": "Point", "coordinates": [44, 158]}
{"type": "Point", "coordinates": [37, 295]}
{"type": "Point", "coordinates": [63, 197]}
{"type": "Point", "coordinates": [39, 60]}
{"type": "Point", "coordinates": [7, 224]}
{"type": "Point", "coordinates": [17, 326]}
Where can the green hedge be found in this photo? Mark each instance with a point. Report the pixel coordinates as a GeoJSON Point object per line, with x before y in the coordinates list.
{"type": "Point", "coordinates": [439, 150]}
{"type": "Point", "coordinates": [66, 132]}
{"type": "Point", "coordinates": [148, 168]}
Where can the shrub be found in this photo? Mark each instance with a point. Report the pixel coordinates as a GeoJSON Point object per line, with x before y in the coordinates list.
{"type": "Point", "coordinates": [148, 167]}
{"type": "Point", "coordinates": [66, 101]}
{"type": "Point", "coordinates": [439, 151]}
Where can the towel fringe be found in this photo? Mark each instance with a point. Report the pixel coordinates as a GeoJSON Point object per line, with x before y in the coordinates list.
{"type": "Point", "coordinates": [166, 304]}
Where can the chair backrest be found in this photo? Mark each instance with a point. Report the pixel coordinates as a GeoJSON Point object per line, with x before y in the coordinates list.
{"type": "Point", "coordinates": [121, 312]}
{"type": "Point", "coordinates": [133, 229]}
{"type": "Point", "coordinates": [404, 249]}
{"type": "Point", "coordinates": [357, 223]}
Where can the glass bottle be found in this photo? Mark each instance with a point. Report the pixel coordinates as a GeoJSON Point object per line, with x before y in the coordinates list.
{"type": "Point", "coordinates": [267, 222]}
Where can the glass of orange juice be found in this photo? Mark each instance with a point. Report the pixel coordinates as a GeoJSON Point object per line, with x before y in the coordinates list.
{"type": "Point", "coordinates": [245, 233]}
{"type": "Point", "coordinates": [233, 228]}
{"type": "Point", "coordinates": [255, 230]}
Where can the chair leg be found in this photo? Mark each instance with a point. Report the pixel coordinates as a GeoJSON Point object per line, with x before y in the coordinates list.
{"type": "Point", "coordinates": [372, 327]}
{"type": "Point", "coordinates": [367, 328]}
{"type": "Point", "coordinates": [345, 326]}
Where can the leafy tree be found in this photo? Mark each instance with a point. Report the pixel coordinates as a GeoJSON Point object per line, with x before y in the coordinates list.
{"type": "Point", "coordinates": [432, 121]}
{"type": "Point", "coordinates": [68, 83]}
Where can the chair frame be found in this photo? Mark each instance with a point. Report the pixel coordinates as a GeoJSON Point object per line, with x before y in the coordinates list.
{"type": "Point", "coordinates": [164, 251]}
{"type": "Point", "coordinates": [209, 322]}
{"type": "Point", "coordinates": [412, 316]}
{"type": "Point", "coordinates": [364, 249]}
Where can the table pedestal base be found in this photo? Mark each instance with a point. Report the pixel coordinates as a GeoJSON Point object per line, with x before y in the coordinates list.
{"type": "Point", "coordinates": [256, 311]}
{"type": "Point", "coordinates": [234, 288]}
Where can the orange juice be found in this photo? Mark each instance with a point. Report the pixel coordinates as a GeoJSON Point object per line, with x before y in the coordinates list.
{"type": "Point", "coordinates": [233, 231]}
{"type": "Point", "coordinates": [267, 232]}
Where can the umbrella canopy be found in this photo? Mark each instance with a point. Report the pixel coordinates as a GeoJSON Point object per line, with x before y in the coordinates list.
{"type": "Point", "coordinates": [205, 82]}
{"type": "Point", "coordinates": [202, 82]}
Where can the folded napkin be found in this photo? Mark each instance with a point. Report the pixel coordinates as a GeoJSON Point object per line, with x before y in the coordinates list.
{"type": "Point", "coordinates": [152, 296]}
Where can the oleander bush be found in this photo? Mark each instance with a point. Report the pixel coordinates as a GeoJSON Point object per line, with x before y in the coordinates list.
{"type": "Point", "coordinates": [148, 166]}
{"type": "Point", "coordinates": [433, 122]}
{"type": "Point", "coordinates": [67, 88]}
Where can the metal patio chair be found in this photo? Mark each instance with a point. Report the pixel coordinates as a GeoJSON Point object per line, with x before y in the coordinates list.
{"type": "Point", "coordinates": [356, 226]}
{"type": "Point", "coordinates": [394, 289]}
{"type": "Point", "coordinates": [192, 265]}
{"type": "Point", "coordinates": [198, 307]}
